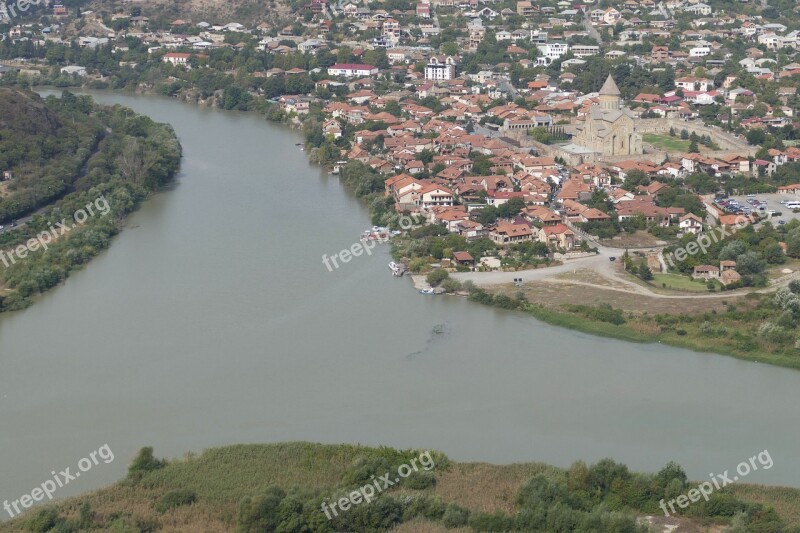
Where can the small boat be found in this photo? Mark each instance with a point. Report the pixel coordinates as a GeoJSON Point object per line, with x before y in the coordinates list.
{"type": "Point", "coordinates": [397, 270]}
{"type": "Point", "coordinates": [427, 291]}
{"type": "Point", "coordinates": [376, 234]}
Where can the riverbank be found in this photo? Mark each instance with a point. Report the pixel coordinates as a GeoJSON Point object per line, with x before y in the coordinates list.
{"type": "Point", "coordinates": [110, 159]}
{"type": "Point", "coordinates": [247, 487]}
{"type": "Point", "coordinates": [639, 326]}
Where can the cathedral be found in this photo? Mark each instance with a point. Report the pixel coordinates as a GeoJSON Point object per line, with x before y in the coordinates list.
{"type": "Point", "coordinates": [609, 128]}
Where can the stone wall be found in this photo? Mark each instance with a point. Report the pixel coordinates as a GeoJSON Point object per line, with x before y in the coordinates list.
{"type": "Point", "coordinates": [726, 141]}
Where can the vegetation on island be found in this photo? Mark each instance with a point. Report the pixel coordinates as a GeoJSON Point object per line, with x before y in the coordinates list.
{"type": "Point", "coordinates": [67, 156]}
{"type": "Point", "coordinates": [282, 488]}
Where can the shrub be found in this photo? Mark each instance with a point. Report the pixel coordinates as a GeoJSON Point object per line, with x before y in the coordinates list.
{"type": "Point", "coordinates": [43, 521]}
{"type": "Point", "coordinates": [455, 516]}
{"type": "Point", "coordinates": [176, 498]}
{"type": "Point", "coordinates": [451, 285]}
{"type": "Point", "coordinates": [419, 480]}
{"type": "Point", "coordinates": [436, 277]}
{"type": "Point", "coordinates": [144, 462]}
{"type": "Point", "coordinates": [430, 508]}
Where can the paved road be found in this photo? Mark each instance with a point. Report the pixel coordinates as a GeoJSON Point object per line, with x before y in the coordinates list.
{"type": "Point", "coordinates": [20, 222]}
{"type": "Point", "coordinates": [601, 264]}
{"type": "Point", "coordinates": [593, 33]}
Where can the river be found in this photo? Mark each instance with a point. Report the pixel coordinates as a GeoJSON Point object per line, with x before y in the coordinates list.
{"type": "Point", "coordinates": [212, 320]}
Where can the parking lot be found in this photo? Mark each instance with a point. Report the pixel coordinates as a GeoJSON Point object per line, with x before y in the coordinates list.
{"type": "Point", "coordinates": [773, 203]}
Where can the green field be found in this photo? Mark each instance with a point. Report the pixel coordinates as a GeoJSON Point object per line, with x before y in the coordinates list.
{"type": "Point", "coordinates": [665, 142]}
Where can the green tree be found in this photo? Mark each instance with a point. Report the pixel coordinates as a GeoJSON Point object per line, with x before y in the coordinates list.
{"type": "Point", "coordinates": [436, 277]}
{"type": "Point", "coordinates": [145, 462]}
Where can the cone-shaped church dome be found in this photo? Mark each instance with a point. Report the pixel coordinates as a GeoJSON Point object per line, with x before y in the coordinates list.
{"type": "Point", "coordinates": [610, 87]}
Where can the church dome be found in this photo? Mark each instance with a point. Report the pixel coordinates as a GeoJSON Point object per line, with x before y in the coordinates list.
{"type": "Point", "coordinates": [610, 87]}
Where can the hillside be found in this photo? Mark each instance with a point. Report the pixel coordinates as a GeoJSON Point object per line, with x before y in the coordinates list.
{"type": "Point", "coordinates": [281, 487]}
{"type": "Point", "coordinates": [24, 112]}
{"type": "Point", "coordinates": [70, 164]}
{"type": "Point", "coordinates": [212, 11]}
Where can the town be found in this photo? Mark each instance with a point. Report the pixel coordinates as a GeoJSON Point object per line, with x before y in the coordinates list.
{"type": "Point", "coordinates": [520, 135]}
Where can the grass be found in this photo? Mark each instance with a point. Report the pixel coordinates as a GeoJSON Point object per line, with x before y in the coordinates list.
{"type": "Point", "coordinates": [679, 283]}
{"type": "Point", "coordinates": [222, 477]}
{"type": "Point", "coordinates": [665, 142]}
{"type": "Point", "coordinates": [730, 334]}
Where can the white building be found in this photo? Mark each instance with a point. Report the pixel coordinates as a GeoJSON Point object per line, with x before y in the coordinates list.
{"type": "Point", "coordinates": [698, 9]}
{"type": "Point", "coordinates": [74, 69]}
{"type": "Point", "coordinates": [352, 70]}
{"type": "Point", "coordinates": [176, 58]}
{"type": "Point", "coordinates": [585, 50]}
{"type": "Point", "coordinates": [551, 52]}
{"type": "Point", "coordinates": [440, 68]}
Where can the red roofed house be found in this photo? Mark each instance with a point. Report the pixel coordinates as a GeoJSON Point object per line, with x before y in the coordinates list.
{"type": "Point", "coordinates": [559, 236]}
{"type": "Point", "coordinates": [508, 233]}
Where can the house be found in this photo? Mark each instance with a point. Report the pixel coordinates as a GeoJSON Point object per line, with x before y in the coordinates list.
{"type": "Point", "coordinates": [730, 276]}
{"type": "Point", "coordinates": [509, 233]}
{"type": "Point", "coordinates": [557, 236]}
{"type": "Point", "coordinates": [584, 50]}
{"type": "Point", "coordinates": [434, 195]}
{"type": "Point", "coordinates": [706, 272]}
{"type": "Point", "coordinates": [175, 58]}
{"type": "Point", "coordinates": [463, 258]}
{"type": "Point", "coordinates": [525, 8]}
{"type": "Point", "coordinates": [789, 189]}
{"type": "Point", "coordinates": [659, 54]}
{"type": "Point", "coordinates": [471, 230]}
{"type": "Point", "coordinates": [332, 127]}
{"type": "Point", "coordinates": [74, 69]}
{"type": "Point", "coordinates": [698, 9]}
{"type": "Point", "coordinates": [691, 83]}
{"type": "Point", "coordinates": [611, 16]}
{"type": "Point", "coordinates": [352, 70]}
{"type": "Point", "coordinates": [690, 223]}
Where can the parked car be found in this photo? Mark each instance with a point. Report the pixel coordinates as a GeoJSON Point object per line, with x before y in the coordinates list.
{"type": "Point", "coordinates": [612, 258]}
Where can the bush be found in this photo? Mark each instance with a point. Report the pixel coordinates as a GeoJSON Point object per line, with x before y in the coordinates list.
{"type": "Point", "coordinates": [144, 462]}
{"type": "Point", "coordinates": [455, 516]}
{"type": "Point", "coordinates": [451, 285]}
{"type": "Point", "coordinates": [43, 521]}
{"type": "Point", "coordinates": [176, 498]}
{"type": "Point", "coordinates": [420, 480]}
{"type": "Point", "coordinates": [436, 277]}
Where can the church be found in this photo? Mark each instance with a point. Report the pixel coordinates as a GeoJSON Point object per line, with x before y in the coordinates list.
{"type": "Point", "coordinates": [610, 128]}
